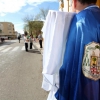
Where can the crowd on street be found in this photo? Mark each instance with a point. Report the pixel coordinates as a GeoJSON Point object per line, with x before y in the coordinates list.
{"type": "Point", "coordinates": [29, 39]}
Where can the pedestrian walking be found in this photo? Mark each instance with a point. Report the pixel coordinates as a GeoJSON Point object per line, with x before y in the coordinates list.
{"type": "Point", "coordinates": [26, 40]}
{"type": "Point", "coordinates": [40, 38]}
{"type": "Point", "coordinates": [19, 38]}
{"type": "Point", "coordinates": [31, 41]}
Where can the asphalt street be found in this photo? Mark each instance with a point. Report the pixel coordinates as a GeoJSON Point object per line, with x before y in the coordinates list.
{"type": "Point", "coordinates": [20, 72]}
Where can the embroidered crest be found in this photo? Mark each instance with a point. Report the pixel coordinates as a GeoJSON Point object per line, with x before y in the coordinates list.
{"type": "Point", "coordinates": [91, 61]}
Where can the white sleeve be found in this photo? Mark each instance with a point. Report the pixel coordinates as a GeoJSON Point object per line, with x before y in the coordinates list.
{"type": "Point", "coordinates": [54, 42]}
{"type": "Point", "coordinates": [55, 31]}
{"type": "Point", "coordinates": [48, 25]}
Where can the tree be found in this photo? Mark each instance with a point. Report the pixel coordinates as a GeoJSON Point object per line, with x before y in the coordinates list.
{"type": "Point", "coordinates": [25, 28]}
{"type": "Point", "coordinates": [42, 14]}
{"type": "Point", "coordinates": [37, 25]}
{"type": "Point", "coordinates": [0, 31]}
{"type": "Point", "coordinates": [28, 23]}
{"type": "Point", "coordinates": [33, 27]}
{"type": "Point", "coordinates": [28, 18]}
{"type": "Point", "coordinates": [34, 24]}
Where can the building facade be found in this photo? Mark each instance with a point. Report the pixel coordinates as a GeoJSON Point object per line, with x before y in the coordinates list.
{"type": "Point", "coordinates": [98, 3]}
{"type": "Point", "coordinates": [65, 5]}
{"type": "Point", "coordinates": [7, 30]}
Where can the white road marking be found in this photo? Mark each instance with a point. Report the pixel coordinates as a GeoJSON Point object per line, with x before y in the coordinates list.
{"type": "Point", "coordinates": [1, 48]}
{"type": "Point", "coordinates": [23, 48]}
{"type": "Point", "coordinates": [15, 49]}
{"type": "Point", "coordinates": [13, 40]}
{"type": "Point", "coordinates": [6, 49]}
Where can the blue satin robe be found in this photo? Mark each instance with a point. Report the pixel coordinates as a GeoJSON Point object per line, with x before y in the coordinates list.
{"type": "Point", "coordinates": [85, 28]}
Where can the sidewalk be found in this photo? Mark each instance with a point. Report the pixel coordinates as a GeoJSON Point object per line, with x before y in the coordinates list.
{"type": "Point", "coordinates": [37, 46]}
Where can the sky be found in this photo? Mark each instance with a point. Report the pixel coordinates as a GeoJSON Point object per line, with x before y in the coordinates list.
{"type": "Point", "coordinates": [16, 10]}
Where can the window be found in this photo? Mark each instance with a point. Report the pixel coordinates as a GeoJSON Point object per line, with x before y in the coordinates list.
{"type": "Point", "coordinates": [9, 26]}
{"type": "Point", "coordinates": [1, 26]}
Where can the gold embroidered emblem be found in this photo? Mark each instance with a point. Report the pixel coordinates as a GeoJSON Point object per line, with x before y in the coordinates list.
{"type": "Point", "coordinates": [91, 61]}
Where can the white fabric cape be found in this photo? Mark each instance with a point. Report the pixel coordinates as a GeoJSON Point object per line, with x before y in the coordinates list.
{"type": "Point", "coordinates": [55, 31]}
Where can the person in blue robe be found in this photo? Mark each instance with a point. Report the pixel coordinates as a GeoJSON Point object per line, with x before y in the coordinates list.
{"type": "Point", "coordinates": [84, 29]}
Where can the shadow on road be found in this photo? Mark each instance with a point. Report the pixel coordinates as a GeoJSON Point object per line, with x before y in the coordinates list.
{"type": "Point", "coordinates": [7, 43]}
{"type": "Point", "coordinates": [34, 51]}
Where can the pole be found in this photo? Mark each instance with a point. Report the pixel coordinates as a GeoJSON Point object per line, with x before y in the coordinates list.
{"type": "Point", "coordinates": [68, 5]}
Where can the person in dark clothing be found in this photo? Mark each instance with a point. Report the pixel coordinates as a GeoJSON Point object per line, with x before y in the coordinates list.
{"type": "Point", "coordinates": [19, 38]}
{"type": "Point", "coordinates": [31, 41]}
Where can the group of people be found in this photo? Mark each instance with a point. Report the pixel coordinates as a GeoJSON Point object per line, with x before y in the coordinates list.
{"type": "Point", "coordinates": [30, 39]}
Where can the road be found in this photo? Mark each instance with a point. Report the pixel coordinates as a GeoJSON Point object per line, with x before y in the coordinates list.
{"type": "Point", "coordinates": [20, 72]}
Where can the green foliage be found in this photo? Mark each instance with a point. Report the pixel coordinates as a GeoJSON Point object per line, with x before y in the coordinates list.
{"type": "Point", "coordinates": [97, 47]}
{"type": "Point", "coordinates": [0, 31]}
{"type": "Point", "coordinates": [32, 27]}
{"type": "Point", "coordinates": [35, 27]}
{"type": "Point", "coordinates": [33, 23]}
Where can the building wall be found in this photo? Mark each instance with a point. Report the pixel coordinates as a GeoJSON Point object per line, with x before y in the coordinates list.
{"type": "Point", "coordinates": [67, 6]}
{"type": "Point", "coordinates": [7, 29]}
{"type": "Point", "coordinates": [98, 3]}
{"type": "Point", "coordinates": [60, 6]}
